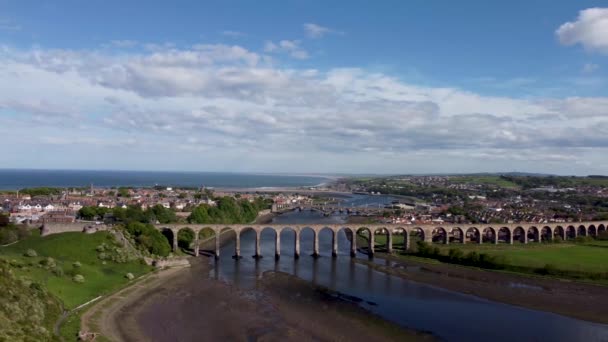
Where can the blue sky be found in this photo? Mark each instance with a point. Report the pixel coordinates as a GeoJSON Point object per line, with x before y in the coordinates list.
{"type": "Point", "coordinates": [306, 86]}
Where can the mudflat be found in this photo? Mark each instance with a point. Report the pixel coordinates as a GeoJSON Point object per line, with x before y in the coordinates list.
{"type": "Point", "coordinates": [190, 306]}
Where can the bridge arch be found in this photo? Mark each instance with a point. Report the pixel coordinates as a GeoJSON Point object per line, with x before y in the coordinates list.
{"type": "Point", "coordinates": [571, 232]}
{"type": "Point", "coordinates": [288, 235]}
{"type": "Point", "coordinates": [369, 249]}
{"type": "Point", "coordinates": [400, 239]}
{"type": "Point", "coordinates": [472, 234]}
{"type": "Point", "coordinates": [533, 234]}
{"type": "Point", "coordinates": [306, 234]}
{"type": "Point", "coordinates": [186, 238]}
{"type": "Point", "coordinates": [440, 235]}
{"type": "Point", "coordinates": [581, 231]}
{"type": "Point", "coordinates": [559, 233]}
{"type": "Point", "coordinates": [416, 234]}
{"type": "Point", "coordinates": [269, 236]}
{"type": "Point", "coordinates": [601, 228]}
{"type": "Point", "coordinates": [171, 237]}
{"type": "Point", "coordinates": [519, 234]}
{"type": "Point", "coordinates": [592, 230]}
{"type": "Point", "coordinates": [504, 235]}
{"type": "Point", "coordinates": [459, 236]}
{"type": "Point", "coordinates": [489, 235]}
{"type": "Point", "coordinates": [383, 239]}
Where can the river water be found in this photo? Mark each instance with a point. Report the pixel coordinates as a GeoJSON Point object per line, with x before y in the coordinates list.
{"type": "Point", "coordinates": [449, 315]}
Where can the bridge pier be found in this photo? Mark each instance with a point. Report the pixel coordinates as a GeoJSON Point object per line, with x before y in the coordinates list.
{"type": "Point", "coordinates": [389, 242]}
{"type": "Point", "coordinates": [296, 247]}
{"type": "Point", "coordinates": [217, 244]}
{"type": "Point", "coordinates": [174, 247]}
{"type": "Point", "coordinates": [371, 244]}
{"type": "Point", "coordinates": [315, 246]}
{"type": "Point", "coordinates": [258, 254]}
{"type": "Point", "coordinates": [353, 244]}
{"type": "Point", "coordinates": [334, 244]}
{"type": "Point", "coordinates": [237, 246]}
{"type": "Point", "coordinates": [277, 246]}
{"type": "Point", "coordinates": [196, 245]}
{"type": "Point", "coordinates": [480, 239]}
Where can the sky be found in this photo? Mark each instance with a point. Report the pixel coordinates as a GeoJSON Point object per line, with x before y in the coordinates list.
{"type": "Point", "coordinates": [305, 86]}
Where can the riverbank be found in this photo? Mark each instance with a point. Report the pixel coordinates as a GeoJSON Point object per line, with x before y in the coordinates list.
{"type": "Point", "coordinates": [188, 305]}
{"type": "Point", "coordinates": [568, 298]}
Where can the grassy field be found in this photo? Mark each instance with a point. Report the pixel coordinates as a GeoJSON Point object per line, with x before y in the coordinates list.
{"type": "Point", "coordinates": [67, 248]}
{"type": "Point", "coordinates": [590, 257]}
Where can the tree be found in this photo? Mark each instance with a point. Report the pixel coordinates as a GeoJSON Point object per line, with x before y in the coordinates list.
{"type": "Point", "coordinates": [87, 212]}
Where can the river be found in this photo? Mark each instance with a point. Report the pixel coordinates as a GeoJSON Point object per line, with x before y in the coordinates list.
{"type": "Point", "coordinates": [449, 315]}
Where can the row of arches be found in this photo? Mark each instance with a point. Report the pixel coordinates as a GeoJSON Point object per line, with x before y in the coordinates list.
{"type": "Point", "coordinates": [385, 238]}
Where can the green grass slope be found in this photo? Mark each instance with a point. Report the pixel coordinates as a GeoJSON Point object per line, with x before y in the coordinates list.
{"type": "Point", "coordinates": [100, 276]}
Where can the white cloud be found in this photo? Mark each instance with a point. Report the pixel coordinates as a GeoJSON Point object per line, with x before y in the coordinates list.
{"type": "Point", "coordinates": [590, 30]}
{"type": "Point", "coordinates": [290, 47]}
{"type": "Point", "coordinates": [316, 31]}
{"type": "Point", "coordinates": [242, 112]}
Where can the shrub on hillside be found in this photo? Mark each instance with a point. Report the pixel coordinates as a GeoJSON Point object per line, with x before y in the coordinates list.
{"type": "Point", "coordinates": [58, 271]}
{"type": "Point", "coordinates": [149, 239]}
{"type": "Point", "coordinates": [48, 263]}
{"type": "Point", "coordinates": [31, 253]}
{"type": "Point", "coordinates": [77, 264]}
{"type": "Point", "coordinates": [129, 276]}
{"type": "Point", "coordinates": [79, 278]}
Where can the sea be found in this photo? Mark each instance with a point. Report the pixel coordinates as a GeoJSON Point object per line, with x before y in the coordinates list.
{"type": "Point", "coordinates": [14, 179]}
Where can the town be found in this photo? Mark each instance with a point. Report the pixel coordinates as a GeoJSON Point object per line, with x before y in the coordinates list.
{"type": "Point", "coordinates": [408, 200]}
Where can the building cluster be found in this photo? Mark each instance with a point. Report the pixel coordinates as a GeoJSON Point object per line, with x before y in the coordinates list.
{"type": "Point", "coordinates": [63, 208]}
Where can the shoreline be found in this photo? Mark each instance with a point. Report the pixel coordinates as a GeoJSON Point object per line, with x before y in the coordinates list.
{"type": "Point", "coordinates": [189, 305]}
{"type": "Point", "coordinates": [568, 298]}
{"type": "Point", "coordinates": [189, 294]}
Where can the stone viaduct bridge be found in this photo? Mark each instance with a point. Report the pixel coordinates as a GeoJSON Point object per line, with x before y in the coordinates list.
{"type": "Point", "coordinates": [431, 233]}
{"type": "Point", "coordinates": [443, 233]}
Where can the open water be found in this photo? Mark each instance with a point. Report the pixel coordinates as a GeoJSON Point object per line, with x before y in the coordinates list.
{"type": "Point", "coordinates": [13, 179]}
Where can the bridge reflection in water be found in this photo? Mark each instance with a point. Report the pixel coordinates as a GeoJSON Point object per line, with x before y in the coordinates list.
{"type": "Point", "coordinates": [446, 234]}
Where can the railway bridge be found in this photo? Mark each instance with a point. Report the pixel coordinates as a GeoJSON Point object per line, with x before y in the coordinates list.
{"type": "Point", "coordinates": [431, 233]}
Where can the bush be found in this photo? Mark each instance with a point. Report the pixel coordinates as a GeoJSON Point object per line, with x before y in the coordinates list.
{"type": "Point", "coordinates": [31, 253]}
{"type": "Point", "coordinates": [77, 264]}
{"type": "Point", "coordinates": [58, 271]}
{"type": "Point", "coordinates": [79, 278]}
{"type": "Point", "coordinates": [557, 239]}
{"type": "Point", "coordinates": [102, 256]}
{"type": "Point", "coordinates": [48, 262]}
{"type": "Point", "coordinates": [129, 276]}
{"type": "Point", "coordinates": [603, 235]}
{"type": "Point", "coordinates": [455, 254]}
{"type": "Point", "coordinates": [583, 239]}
